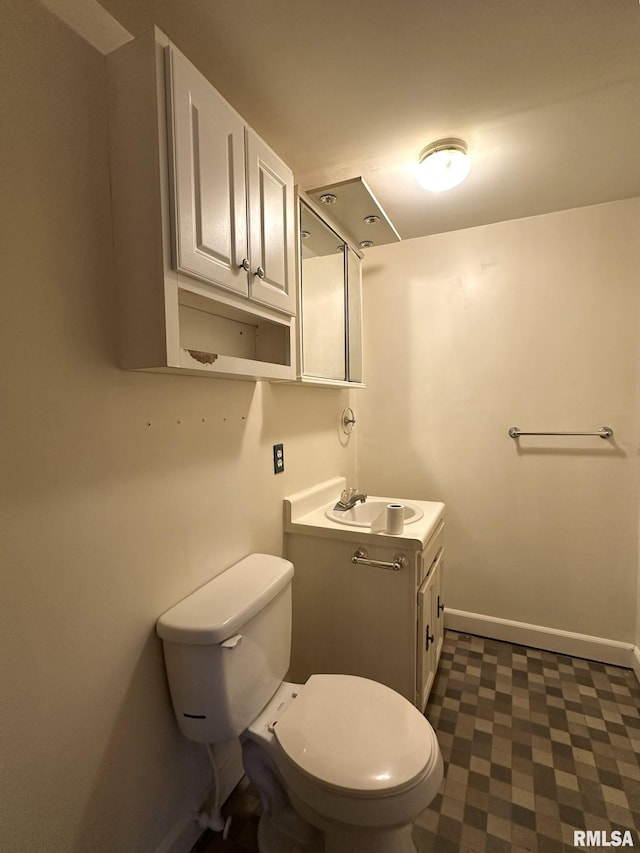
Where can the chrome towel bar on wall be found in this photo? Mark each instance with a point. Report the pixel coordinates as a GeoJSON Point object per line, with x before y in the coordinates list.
{"type": "Point", "coordinates": [603, 432]}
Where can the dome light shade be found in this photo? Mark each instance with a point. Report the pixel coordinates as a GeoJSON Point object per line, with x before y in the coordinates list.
{"type": "Point", "coordinates": [443, 164]}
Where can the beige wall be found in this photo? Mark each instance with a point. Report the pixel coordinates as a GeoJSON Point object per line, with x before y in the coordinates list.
{"type": "Point", "coordinates": [532, 323]}
{"type": "Point", "coordinates": [121, 492]}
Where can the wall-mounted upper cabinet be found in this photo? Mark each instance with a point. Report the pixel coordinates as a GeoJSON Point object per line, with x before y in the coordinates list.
{"type": "Point", "coordinates": [204, 224]}
{"type": "Point", "coordinates": [233, 210]}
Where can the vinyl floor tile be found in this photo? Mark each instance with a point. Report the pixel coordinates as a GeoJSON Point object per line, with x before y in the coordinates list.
{"type": "Point", "coordinates": [565, 758]}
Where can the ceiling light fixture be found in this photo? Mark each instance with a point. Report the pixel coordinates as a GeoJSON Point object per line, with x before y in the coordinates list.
{"type": "Point", "coordinates": [443, 164]}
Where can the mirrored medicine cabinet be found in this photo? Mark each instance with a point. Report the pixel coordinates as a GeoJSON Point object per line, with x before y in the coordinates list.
{"type": "Point", "coordinates": [330, 302]}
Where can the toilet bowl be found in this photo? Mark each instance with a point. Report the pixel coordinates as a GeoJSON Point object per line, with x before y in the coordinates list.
{"type": "Point", "coordinates": [352, 757]}
{"type": "Point", "coordinates": [343, 764]}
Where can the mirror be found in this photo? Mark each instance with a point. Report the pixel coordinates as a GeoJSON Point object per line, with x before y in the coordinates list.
{"type": "Point", "coordinates": [322, 297]}
{"type": "Point", "coordinates": [330, 302]}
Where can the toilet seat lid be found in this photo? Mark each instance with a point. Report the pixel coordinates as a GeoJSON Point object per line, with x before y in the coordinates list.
{"type": "Point", "coordinates": [356, 735]}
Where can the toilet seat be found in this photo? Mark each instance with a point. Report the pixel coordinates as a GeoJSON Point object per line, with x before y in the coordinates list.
{"type": "Point", "coordinates": [355, 736]}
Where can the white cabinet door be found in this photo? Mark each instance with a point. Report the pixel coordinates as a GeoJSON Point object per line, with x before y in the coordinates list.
{"type": "Point", "coordinates": [430, 631]}
{"type": "Point", "coordinates": [439, 612]}
{"type": "Point", "coordinates": [425, 646]}
{"type": "Point", "coordinates": [271, 227]}
{"type": "Point", "coordinates": [209, 203]}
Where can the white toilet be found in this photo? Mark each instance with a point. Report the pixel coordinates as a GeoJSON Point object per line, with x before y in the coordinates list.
{"type": "Point", "coordinates": [343, 764]}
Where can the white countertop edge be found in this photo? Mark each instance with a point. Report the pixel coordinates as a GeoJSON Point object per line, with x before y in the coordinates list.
{"type": "Point", "coordinates": [358, 535]}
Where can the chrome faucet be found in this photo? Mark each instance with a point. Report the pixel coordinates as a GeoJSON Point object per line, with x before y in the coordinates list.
{"type": "Point", "coordinates": [349, 498]}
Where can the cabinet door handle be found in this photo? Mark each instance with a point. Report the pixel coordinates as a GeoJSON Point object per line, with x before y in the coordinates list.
{"type": "Point", "coordinates": [245, 265]}
{"type": "Point", "coordinates": [428, 639]}
{"type": "Point", "coordinates": [360, 558]}
{"type": "Point", "coordinates": [260, 272]}
{"type": "Point", "coordinates": [440, 607]}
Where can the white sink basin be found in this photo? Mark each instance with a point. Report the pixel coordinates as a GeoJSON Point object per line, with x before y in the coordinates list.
{"type": "Point", "coordinates": [364, 514]}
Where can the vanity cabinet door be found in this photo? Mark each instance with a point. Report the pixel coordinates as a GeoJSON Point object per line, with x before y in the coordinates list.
{"type": "Point", "coordinates": [209, 191]}
{"type": "Point", "coordinates": [271, 209]}
{"type": "Point", "coordinates": [439, 613]}
{"type": "Point", "coordinates": [430, 630]}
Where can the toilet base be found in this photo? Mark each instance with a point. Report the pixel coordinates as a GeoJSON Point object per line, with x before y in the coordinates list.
{"type": "Point", "coordinates": [398, 840]}
{"type": "Point", "coordinates": [271, 840]}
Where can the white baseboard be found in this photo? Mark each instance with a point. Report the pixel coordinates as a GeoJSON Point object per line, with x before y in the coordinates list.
{"type": "Point", "coordinates": [189, 827]}
{"type": "Point", "coordinates": [182, 836]}
{"type": "Point", "coordinates": [550, 639]}
{"type": "Point", "coordinates": [636, 661]}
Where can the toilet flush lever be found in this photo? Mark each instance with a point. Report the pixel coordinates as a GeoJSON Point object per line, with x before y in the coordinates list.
{"type": "Point", "coordinates": [232, 642]}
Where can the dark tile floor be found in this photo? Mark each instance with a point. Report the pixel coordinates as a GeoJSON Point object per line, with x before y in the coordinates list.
{"type": "Point", "coordinates": [536, 746]}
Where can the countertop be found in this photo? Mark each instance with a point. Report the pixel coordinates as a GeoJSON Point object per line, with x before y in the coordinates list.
{"type": "Point", "coordinates": [304, 514]}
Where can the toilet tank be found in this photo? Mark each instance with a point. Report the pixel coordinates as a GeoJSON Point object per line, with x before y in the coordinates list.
{"type": "Point", "coordinates": [227, 647]}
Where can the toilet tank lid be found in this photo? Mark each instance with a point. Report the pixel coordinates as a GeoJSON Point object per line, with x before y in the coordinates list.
{"type": "Point", "coordinates": [220, 608]}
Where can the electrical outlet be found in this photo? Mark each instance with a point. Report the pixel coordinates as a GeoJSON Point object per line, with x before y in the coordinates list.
{"type": "Point", "coordinates": [278, 458]}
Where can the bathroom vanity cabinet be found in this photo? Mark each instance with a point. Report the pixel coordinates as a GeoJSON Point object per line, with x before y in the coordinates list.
{"type": "Point", "coordinates": [204, 224]}
{"type": "Point", "coordinates": [363, 620]}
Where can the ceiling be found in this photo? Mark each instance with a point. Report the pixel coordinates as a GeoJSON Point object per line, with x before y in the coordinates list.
{"type": "Point", "coordinates": [545, 92]}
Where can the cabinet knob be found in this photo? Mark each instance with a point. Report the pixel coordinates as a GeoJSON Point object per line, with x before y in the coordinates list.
{"type": "Point", "coordinates": [260, 272]}
{"type": "Point", "coordinates": [245, 265]}
{"type": "Point", "coordinates": [440, 607]}
{"type": "Point", "coordinates": [428, 639]}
